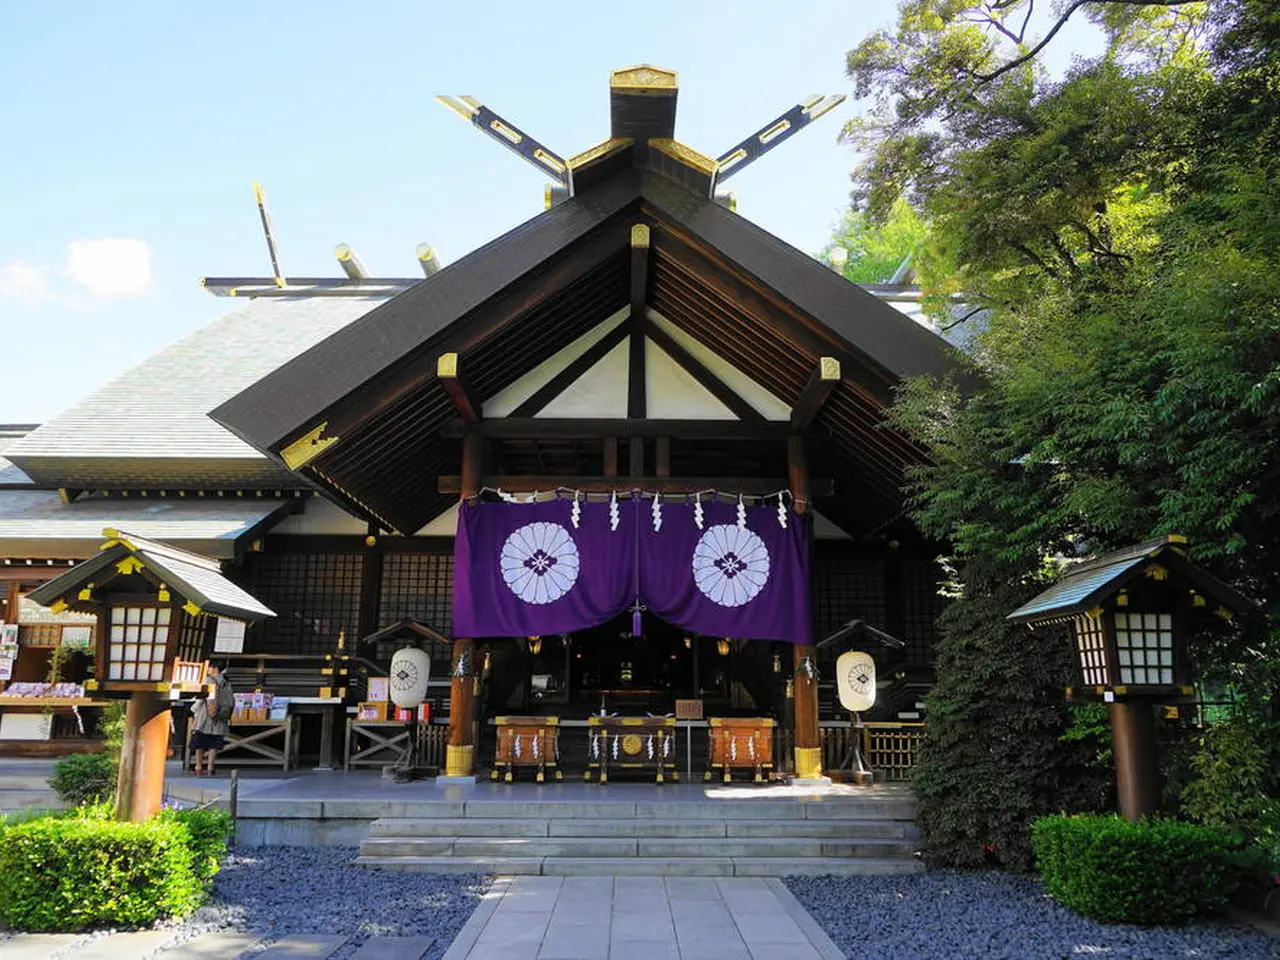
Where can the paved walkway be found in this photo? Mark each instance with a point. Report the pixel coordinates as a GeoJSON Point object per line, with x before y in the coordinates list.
{"type": "Point", "coordinates": [641, 918]}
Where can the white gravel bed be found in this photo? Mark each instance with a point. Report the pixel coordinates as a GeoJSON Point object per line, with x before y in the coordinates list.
{"type": "Point", "coordinates": [950, 915]}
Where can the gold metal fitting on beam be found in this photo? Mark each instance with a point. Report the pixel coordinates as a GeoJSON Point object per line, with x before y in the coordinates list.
{"type": "Point", "coordinates": [307, 447]}
{"type": "Point", "coordinates": [640, 235]}
{"type": "Point", "coordinates": [644, 78]}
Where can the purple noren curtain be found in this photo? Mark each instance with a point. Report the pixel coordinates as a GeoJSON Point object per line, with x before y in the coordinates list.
{"type": "Point", "coordinates": [525, 569]}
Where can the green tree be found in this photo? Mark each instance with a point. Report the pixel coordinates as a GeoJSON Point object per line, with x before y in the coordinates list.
{"type": "Point", "coordinates": [1119, 226]}
{"type": "Point", "coordinates": [875, 251]}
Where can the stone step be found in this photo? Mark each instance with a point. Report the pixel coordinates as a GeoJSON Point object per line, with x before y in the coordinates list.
{"type": "Point", "coordinates": [610, 847]}
{"type": "Point", "coordinates": [647, 866]}
{"type": "Point", "coordinates": [38, 799]}
{"type": "Point", "coordinates": [658, 829]}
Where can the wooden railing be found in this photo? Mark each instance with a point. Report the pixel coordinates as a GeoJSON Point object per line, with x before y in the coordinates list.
{"type": "Point", "coordinates": [889, 749]}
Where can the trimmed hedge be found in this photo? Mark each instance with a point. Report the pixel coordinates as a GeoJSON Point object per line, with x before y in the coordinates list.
{"type": "Point", "coordinates": [1152, 872]}
{"type": "Point", "coordinates": [209, 833]}
{"type": "Point", "coordinates": [64, 874]}
{"type": "Point", "coordinates": [85, 778]}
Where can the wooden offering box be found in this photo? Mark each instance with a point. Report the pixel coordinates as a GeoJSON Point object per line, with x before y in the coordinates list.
{"type": "Point", "coordinates": [741, 742]}
{"type": "Point", "coordinates": [632, 743]}
{"type": "Point", "coordinates": [527, 742]}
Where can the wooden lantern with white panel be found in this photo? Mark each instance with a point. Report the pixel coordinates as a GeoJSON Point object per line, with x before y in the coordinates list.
{"type": "Point", "coordinates": [161, 612]}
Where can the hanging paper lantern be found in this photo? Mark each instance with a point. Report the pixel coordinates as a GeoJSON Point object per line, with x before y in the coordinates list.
{"type": "Point", "coordinates": [410, 671]}
{"type": "Point", "coordinates": [722, 646]}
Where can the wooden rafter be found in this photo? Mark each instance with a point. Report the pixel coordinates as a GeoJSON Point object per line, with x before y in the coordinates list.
{"type": "Point", "coordinates": [637, 403]}
{"type": "Point", "coordinates": [824, 378]}
{"type": "Point", "coordinates": [451, 376]}
{"type": "Point", "coordinates": [562, 380]}
{"type": "Point", "coordinates": [705, 378]}
{"type": "Point", "coordinates": [583, 428]}
{"type": "Point", "coordinates": [756, 486]}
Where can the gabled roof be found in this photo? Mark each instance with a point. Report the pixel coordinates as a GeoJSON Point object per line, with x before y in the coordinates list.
{"type": "Point", "coordinates": [195, 579]}
{"type": "Point", "coordinates": [149, 428]}
{"type": "Point", "coordinates": [365, 406]}
{"type": "Point", "coordinates": [1088, 584]}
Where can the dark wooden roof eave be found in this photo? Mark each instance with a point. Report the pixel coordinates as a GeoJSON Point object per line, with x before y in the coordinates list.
{"type": "Point", "coordinates": [290, 398]}
{"type": "Point", "coordinates": [856, 319]}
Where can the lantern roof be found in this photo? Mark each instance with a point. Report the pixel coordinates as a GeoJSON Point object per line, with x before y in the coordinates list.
{"type": "Point", "coordinates": [195, 580]}
{"type": "Point", "coordinates": [1087, 585]}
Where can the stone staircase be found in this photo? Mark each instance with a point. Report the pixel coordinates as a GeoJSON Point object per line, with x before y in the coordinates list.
{"type": "Point", "coordinates": [712, 837]}
{"type": "Point", "coordinates": [26, 787]}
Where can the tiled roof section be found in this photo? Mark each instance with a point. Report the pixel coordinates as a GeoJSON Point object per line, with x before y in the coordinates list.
{"type": "Point", "coordinates": [1086, 583]}
{"type": "Point", "coordinates": [189, 576]}
{"type": "Point", "coordinates": [1072, 591]}
{"type": "Point", "coordinates": [10, 475]}
{"type": "Point", "coordinates": [36, 523]}
{"type": "Point", "coordinates": [158, 409]}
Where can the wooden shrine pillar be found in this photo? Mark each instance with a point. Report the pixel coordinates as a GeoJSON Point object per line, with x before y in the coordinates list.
{"type": "Point", "coordinates": [460, 753]}
{"type": "Point", "coordinates": [140, 784]}
{"type": "Point", "coordinates": [807, 737]}
{"type": "Point", "coordinates": [1133, 741]}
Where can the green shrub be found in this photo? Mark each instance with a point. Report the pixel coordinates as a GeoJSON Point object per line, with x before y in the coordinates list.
{"type": "Point", "coordinates": [1153, 872]}
{"type": "Point", "coordinates": [994, 756]}
{"type": "Point", "coordinates": [210, 831]}
{"type": "Point", "coordinates": [85, 778]}
{"type": "Point", "coordinates": [72, 873]}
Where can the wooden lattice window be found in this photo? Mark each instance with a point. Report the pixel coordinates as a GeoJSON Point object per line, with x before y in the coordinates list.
{"type": "Point", "coordinates": [193, 635]}
{"type": "Point", "coordinates": [137, 643]}
{"type": "Point", "coordinates": [1144, 647]}
{"type": "Point", "coordinates": [417, 586]}
{"type": "Point", "coordinates": [921, 606]}
{"type": "Point", "coordinates": [314, 595]}
{"type": "Point", "coordinates": [845, 588]}
{"type": "Point", "coordinates": [1092, 644]}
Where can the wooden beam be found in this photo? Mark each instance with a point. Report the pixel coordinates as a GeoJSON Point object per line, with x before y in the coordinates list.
{"type": "Point", "coordinates": [635, 457]}
{"type": "Point", "coordinates": [824, 378]}
{"type": "Point", "coordinates": [662, 456]}
{"type": "Point", "coordinates": [637, 400]}
{"type": "Point", "coordinates": [798, 473]}
{"type": "Point", "coordinates": [706, 379]}
{"type": "Point", "coordinates": [449, 372]}
{"type": "Point", "coordinates": [574, 428]}
{"type": "Point", "coordinates": [561, 381]}
{"type": "Point", "coordinates": [756, 486]}
{"type": "Point", "coordinates": [610, 456]}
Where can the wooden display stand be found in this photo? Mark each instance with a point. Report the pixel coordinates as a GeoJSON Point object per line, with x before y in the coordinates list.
{"type": "Point", "coordinates": [256, 742]}
{"type": "Point", "coordinates": [527, 742]}
{"type": "Point", "coordinates": [741, 742]}
{"type": "Point", "coordinates": [632, 743]}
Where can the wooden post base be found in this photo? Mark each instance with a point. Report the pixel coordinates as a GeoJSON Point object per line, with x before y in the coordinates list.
{"type": "Point", "coordinates": [808, 763]}
{"type": "Point", "coordinates": [459, 760]}
{"type": "Point", "coordinates": [1133, 736]}
{"type": "Point", "coordinates": [140, 785]}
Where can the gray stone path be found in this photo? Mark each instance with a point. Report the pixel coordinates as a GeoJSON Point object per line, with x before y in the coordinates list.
{"type": "Point", "coordinates": [641, 918]}
{"type": "Point", "coordinates": [208, 946]}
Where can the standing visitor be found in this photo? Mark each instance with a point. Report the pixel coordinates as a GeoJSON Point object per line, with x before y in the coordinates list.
{"type": "Point", "coordinates": [212, 719]}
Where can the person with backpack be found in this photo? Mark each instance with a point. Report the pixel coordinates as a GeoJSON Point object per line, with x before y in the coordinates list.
{"type": "Point", "coordinates": [211, 717]}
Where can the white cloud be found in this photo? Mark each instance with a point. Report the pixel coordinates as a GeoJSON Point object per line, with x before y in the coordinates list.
{"type": "Point", "coordinates": [110, 269]}
{"type": "Point", "coordinates": [28, 283]}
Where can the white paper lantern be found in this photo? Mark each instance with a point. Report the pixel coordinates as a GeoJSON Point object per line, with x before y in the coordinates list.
{"type": "Point", "coordinates": [856, 681]}
{"type": "Point", "coordinates": [410, 670]}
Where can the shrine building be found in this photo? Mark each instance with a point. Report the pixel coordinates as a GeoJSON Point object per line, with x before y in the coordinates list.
{"type": "Point", "coordinates": [628, 460]}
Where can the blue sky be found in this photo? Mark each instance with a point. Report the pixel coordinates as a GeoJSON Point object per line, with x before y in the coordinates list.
{"type": "Point", "coordinates": [146, 123]}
